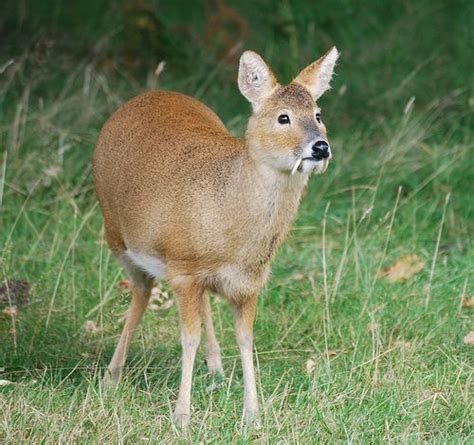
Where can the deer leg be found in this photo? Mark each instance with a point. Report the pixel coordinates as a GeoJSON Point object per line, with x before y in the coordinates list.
{"type": "Point", "coordinates": [141, 290]}
{"type": "Point", "coordinates": [244, 320]}
{"type": "Point", "coordinates": [190, 305]}
{"type": "Point", "coordinates": [138, 305]}
{"type": "Point", "coordinates": [213, 352]}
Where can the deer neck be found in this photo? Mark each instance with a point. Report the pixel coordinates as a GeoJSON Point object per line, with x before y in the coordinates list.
{"type": "Point", "coordinates": [278, 191]}
{"type": "Point", "coordinates": [268, 202]}
{"type": "Point", "coordinates": [280, 195]}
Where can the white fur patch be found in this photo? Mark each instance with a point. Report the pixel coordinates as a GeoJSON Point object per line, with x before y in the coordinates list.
{"type": "Point", "coordinates": [181, 279]}
{"type": "Point", "coordinates": [232, 281]}
{"type": "Point", "coordinates": [152, 265]}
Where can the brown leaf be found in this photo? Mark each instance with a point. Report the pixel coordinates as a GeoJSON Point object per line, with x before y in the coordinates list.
{"type": "Point", "coordinates": [469, 339]}
{"type": "Point", "coordinates": [372, 327]}
{"type": "Point", "coordinates": [298, 276]}
{"type": "Point", "coordinates": [125, 285]}
{"type": "Point", "coordinates": [11, 311]}
{"type": "Point", "coordinates": [468, 303]}
{"type": "Point", "coordinates": [403, 269]}
{"type": "Point", "coordinates": [160, 299]}
{"type": "Point", "coordinates": [310, 365]}
{"type": "Point", "coordinates": [161, 307]}
{"type": "Point", "coordinates": [402, 344]}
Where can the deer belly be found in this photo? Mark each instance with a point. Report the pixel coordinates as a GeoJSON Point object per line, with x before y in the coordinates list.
{"type": "Point", "coordinates": [236, 282]}
{"type": "Point", "coordinates": [152, 265]}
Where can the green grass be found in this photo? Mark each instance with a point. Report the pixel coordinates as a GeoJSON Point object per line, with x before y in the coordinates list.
{"type": "Point", "coordinates": [390, 364]}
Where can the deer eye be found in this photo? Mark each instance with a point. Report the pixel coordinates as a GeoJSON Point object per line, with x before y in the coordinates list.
{"type": "Point", "coordinates": [283, 119]}
{"type": "Point", "coordinates": [318, 118]}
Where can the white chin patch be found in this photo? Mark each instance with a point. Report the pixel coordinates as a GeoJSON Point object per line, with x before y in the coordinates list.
{"type": "Point", "coordinates": [318, 167]}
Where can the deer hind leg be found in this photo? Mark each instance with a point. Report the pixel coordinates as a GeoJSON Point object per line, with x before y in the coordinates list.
{"type": "Point", "coordinates": [189, 297]}
{"type": "Point", "coordinates": [213, 352]}
{"type": "Point", "coordinates": [141, 290]}
{"type": "Point", "coordinates": [244, 320]}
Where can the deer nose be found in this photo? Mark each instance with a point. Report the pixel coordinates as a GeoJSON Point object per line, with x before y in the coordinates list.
{"type": "Point", "coordinates": [321, 150]}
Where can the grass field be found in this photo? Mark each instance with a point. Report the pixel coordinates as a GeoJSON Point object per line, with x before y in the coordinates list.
{"type": "Point", "coordinates": [343, 354]}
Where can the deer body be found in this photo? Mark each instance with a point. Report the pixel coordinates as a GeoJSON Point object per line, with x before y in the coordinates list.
{"type": "Point", "coordinates": [231, 212]}
{"type": "Point", "coordinates": [183, 200]}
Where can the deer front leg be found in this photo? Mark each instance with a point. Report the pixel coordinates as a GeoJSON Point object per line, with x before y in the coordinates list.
{"type": "Point", "coordinates": [190, 304]}
{"type": "Point", "coordinates": [244, 320]}
{"type": "Point", "coordinates": [213, 352]}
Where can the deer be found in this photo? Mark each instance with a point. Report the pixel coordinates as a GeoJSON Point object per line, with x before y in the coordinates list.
{"type": "Point", "coordinates": [185, 201]}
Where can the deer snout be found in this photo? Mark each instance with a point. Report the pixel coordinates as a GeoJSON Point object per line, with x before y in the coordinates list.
{"type": "Point", "coordinates": [321, 150]}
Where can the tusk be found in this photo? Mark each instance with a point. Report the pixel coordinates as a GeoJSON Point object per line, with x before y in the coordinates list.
{"type": "Point", "coordinates": [295, 167]}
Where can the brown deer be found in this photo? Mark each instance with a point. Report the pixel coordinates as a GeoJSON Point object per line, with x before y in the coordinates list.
{"type": "Point", "coordinates": [185, 201]}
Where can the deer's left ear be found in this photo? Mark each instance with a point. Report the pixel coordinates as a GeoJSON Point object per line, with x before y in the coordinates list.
{"type": "Point", "coordinates": [317, 76]}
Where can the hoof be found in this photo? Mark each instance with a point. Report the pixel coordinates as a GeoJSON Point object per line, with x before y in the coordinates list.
{"type": "Point", "coordinates": [216, 370]}
{"type": "Point", "coordinates": [215, 367]}
{"type": "Point", "coordinates": [252, 420]}
{"type": "Point", "coordinates": [182, 420]}
{"type": "Point", "coordinates": [217, 380]}
{"type": "Point", "coordinates": [111, 379]}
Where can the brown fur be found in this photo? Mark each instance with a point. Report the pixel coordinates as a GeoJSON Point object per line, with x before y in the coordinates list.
{"type": "Point", "coordinates": [177, 189]}
{"type": "Point", "coordinates": [180, 200]}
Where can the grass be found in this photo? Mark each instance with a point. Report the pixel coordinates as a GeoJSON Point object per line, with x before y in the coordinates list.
{"type": "Point", "coordinates": [342, 355]}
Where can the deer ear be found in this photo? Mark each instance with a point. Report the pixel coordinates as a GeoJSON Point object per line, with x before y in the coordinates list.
{"type": "Point", "coordinates": [256, 80]}
{"type": "Point", "coordinates": [317, 76]}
